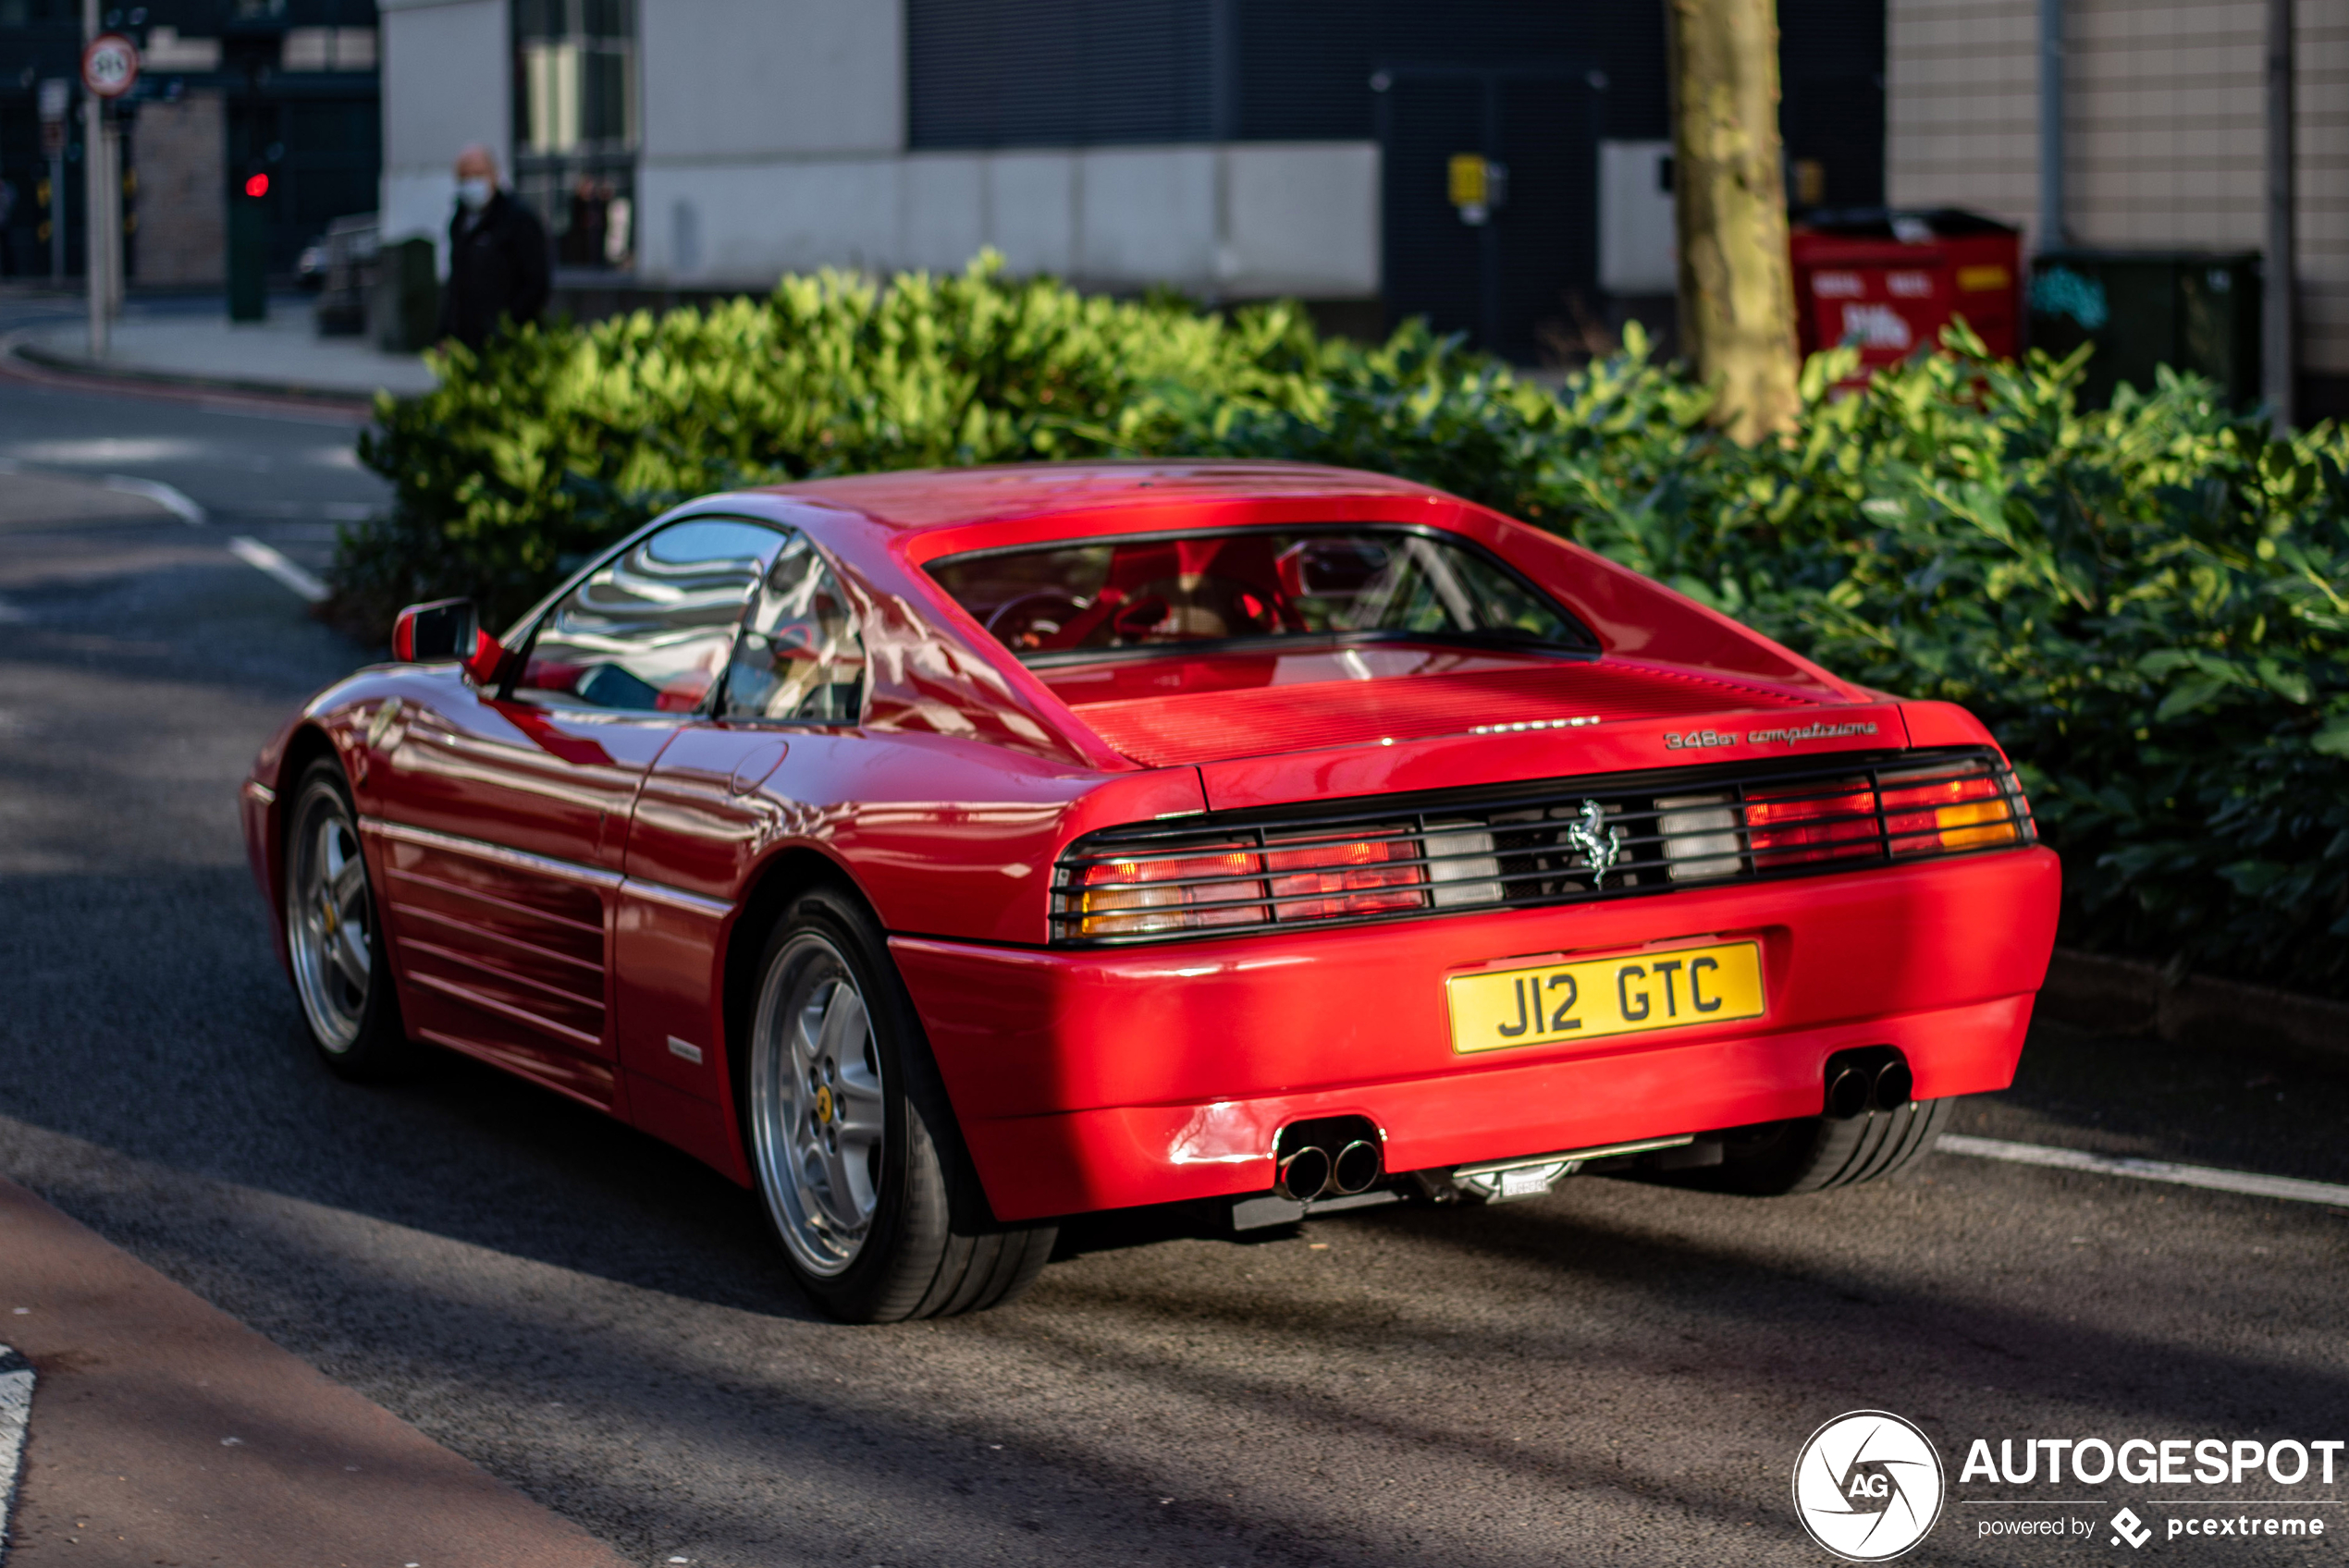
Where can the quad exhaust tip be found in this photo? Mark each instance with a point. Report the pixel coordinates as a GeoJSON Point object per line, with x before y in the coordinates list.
{"type": "Point", "coordinates": [1358, 1165]}
{"type": "Point", "coordinates": [1304, 1174]}
{"type": "Point", "coordinates": [1873, 1078]}
{"type": "Point", "coordinates": [1331, 1156]}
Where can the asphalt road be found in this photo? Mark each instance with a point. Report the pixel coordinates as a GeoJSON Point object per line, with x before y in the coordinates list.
{"type": "Point", "coordinates": [1616, 1373]}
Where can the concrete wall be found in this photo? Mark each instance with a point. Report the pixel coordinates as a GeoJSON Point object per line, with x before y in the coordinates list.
{"type": "Point", "coordinates": [179, 151]}
{"type": "Point", "coordinates": [2164, 129]}
{"type": "Point", "coordinates": [2320, 174]}
{"type": "Point", "coordinates": [1237, 220]}
{"type": "Point", "coordinates": [1961, 107]}
{"type": "Point", "coordinates": [756, 79]}
{"type": "Point", "coordinates": [447, 80]}
{"type": "Point", "coordinates": [773, 140]}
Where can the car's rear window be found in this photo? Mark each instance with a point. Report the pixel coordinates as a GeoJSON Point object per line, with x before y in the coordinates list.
{"type": "Point", "coordinates": [1340, 582]}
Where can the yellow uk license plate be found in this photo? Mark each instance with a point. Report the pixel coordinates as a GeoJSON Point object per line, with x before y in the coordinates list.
{"type": "Point", "coordinates": [1633, 993]}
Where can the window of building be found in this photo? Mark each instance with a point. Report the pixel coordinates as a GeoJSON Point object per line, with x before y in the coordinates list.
{"type": "Point", "coordinates": [576, 125]}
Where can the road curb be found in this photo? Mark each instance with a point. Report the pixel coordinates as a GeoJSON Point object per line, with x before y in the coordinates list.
{"type": "Point", "coordinates": [170, 1432]}
{"type": "Point", "coordinates": [2122, 996]}
{"type": "Point", "coordinates": [68, 371]}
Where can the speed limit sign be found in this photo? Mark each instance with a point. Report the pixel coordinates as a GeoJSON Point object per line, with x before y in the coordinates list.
{"type": "Point", "coordinates": [110, 64]}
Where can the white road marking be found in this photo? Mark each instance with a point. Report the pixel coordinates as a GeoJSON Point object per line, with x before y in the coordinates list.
{"type": "Point", "coordinates": [2257, 1185]}
{"type": "Point", "coordinates": [108, 449]}
{"type": "Point", "coordinates": [177, 502]}
{"type": "Point", "coordinates": [16, 1414]}
{"type": "Point", "coordinates": [253, 552]}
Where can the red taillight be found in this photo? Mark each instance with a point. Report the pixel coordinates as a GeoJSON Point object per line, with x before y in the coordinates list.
{"type": "Point", "coordinates": [1192, 892]}
{"type": "Point", "coordinates": [1791, 824]}
{"type": "Point", "coordinates": [1366, 876]}
{"type": "Point", "coordinates": [1977, 810]}
{"type": "Point", "coordinates": [1218, 886]}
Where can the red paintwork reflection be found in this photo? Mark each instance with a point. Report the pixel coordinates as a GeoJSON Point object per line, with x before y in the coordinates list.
{"type": "Point", "coordinates": [565, 889]}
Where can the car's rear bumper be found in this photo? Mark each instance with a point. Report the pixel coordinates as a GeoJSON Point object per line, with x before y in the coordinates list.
{"type": "Point", "coordinates": [1103, 1079]}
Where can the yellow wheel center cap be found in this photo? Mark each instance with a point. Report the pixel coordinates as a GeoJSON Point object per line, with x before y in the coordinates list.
{"type": "Point", "coordinates": [823, 1103]}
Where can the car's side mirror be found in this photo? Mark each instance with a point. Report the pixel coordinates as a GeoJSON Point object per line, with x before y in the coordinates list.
{"type": "Point", "coordinates": [448, 628]}
{"type": "Point", "coordinates": [436, 632]}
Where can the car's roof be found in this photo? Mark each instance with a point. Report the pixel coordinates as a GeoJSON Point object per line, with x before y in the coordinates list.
{"type": "Point", "coordinates": [918, 500]}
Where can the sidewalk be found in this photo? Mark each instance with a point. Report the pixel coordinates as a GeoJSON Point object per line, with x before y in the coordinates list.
{"type": "Point", "coordinates": [162, 1430]}
{"type": "Point", "coordinates": [194, 344]}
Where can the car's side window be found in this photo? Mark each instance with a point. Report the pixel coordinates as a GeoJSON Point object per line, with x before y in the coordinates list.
{"type": "Point", "coordinates": [799, 657]}
{"type": "Point", "coordinates": [648, 631]}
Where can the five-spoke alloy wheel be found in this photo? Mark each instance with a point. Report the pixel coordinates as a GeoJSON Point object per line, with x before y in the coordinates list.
{"type": "Point", "coordinates": [334, 935]}
{"type": "Point", "coordinates": [817, 1106]}
{"type": "Point", "coordinates": [854, 1146]}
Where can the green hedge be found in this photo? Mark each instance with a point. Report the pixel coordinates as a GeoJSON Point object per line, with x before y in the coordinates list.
{"type": "Point", "coordinates": [2148, 604]}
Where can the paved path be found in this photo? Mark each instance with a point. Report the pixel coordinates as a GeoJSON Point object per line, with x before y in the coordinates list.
{"type": "Point", "coordinates": [1614, 1373]}
{"type": "Point", "coordinates": [164, 1431]}
{"type": "Point", "coordinates": [196, 342]}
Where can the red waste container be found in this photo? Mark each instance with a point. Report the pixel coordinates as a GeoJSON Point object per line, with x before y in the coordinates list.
{"type": "Point", "coordinates": [1888, 282]}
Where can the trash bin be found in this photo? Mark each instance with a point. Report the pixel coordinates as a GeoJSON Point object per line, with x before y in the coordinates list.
{"type": "Point", "coordinates": [404, 310]}
{"type": "Point", "coordinates": [349, 246]}
{"type": "Point", "coordinates": [2193, 310]}
{"type": "Point", "coordinates": [1888, 282]}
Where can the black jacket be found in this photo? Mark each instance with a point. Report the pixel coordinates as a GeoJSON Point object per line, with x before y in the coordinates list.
{"type": "Point", "coordinates": [497, 267]}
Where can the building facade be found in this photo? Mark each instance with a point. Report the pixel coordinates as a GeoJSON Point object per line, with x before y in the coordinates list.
{"type": "Point", "coordinates": [227, 89]}
{"type": "Point", "coordinates": [2164, 136]}
{"type": "Point", "coordinates": [1231, 149]}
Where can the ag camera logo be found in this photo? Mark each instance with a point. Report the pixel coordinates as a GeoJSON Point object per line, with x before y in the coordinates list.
{"type": "Point", "coordinates": [1868, 1485]}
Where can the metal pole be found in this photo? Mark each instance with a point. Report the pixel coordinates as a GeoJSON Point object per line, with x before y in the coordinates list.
{"type": "Point", "coordinates": [115, 269]}
{"type": "Point", "coordinates": [58, 219]}
{"type": "Point", "coordinates": [2052, 235]}
{"type": "Point", "coordinates": [2277, 336]}
{"type": "Point", "coordinates": [93, 169]}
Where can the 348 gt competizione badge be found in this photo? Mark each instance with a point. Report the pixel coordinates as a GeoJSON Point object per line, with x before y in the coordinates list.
{"type": "Point", "coordinates": [1868, 1485]}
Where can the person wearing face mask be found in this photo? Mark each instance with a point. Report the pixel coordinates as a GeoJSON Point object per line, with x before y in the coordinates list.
{"type": "Point", "coordinates": [498, 267]}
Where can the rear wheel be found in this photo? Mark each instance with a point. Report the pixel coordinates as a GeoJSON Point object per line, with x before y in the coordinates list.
{"type": "Point", "coordinates": [854, 1146]}
{"type": "Point", "coordinates": [335, 937]}
{"type": "Point", "coordinates": [1814, 1152]}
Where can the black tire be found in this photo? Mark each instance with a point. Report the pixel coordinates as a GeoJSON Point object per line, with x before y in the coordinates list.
{"type": "Point", "coordinates": [353, 1018]}
{"type": "Point", "coordinates": [1814, 1152]}
{"type": "Point", "coordinates": [860, 1170]}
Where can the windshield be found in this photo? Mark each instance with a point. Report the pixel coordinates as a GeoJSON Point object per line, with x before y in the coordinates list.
{"type": "Point", "coordinates": [1073, 601]}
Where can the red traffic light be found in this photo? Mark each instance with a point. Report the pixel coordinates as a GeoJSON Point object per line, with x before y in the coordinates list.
{"type": "Point", "coordinates": [257, 186]}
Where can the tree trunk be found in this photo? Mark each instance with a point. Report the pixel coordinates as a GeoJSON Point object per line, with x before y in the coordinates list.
{"type": "Point", "coordinates": [1729, 184]}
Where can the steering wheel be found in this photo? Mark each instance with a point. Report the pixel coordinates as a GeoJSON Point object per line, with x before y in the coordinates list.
{"type": "Point", "coordinates": [1036, 620]}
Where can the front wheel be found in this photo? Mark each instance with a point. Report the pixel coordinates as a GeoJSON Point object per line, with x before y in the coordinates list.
{"type": "Point", "coordinates": [853, 1144]}
{"type": "Point", "coordinates": [335, 937]}
{"type": "Point", "coordinates": [1814, 1153]}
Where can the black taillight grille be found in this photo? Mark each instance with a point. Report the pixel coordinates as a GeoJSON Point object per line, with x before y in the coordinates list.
{"type": "Point", "coordinates": [1564, 841]}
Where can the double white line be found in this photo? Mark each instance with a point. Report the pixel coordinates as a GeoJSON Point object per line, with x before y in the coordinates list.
{"type": "Point", "coordinates": [246, 548]}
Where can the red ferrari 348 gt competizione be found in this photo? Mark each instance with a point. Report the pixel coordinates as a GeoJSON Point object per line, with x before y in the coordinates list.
{"type": "Point", "coordinates": [947, 853]}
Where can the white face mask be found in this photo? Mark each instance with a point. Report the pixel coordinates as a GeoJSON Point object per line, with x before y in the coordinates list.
{"type": "Point", "coordinates": [473, 193]}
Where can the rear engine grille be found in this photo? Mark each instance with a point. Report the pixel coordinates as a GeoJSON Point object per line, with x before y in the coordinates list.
{"type": "Point", "coordinates": [1560, 842]}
